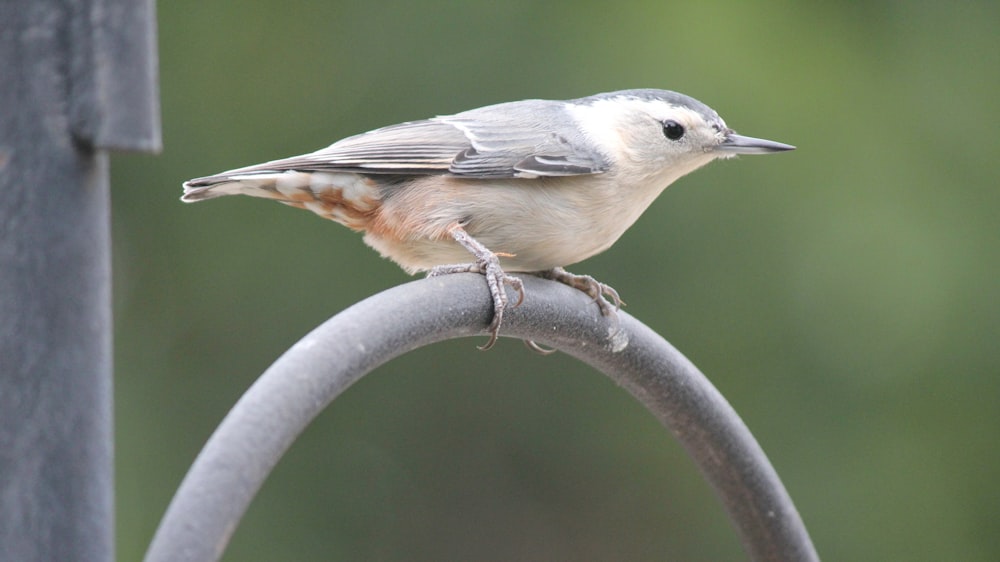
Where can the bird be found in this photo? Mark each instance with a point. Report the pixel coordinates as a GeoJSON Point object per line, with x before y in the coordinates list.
{"type": "Point", "coordinates": [526, 187]}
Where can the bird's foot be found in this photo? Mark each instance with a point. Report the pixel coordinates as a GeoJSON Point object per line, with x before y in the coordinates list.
{"type": "Point", "coordinates": [487, 263]}
{"type": "Point", "coordinates": [604, 295]}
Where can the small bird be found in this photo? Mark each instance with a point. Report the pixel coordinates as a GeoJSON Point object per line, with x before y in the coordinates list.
{"type": "Point", "coordinates": [529, 186]}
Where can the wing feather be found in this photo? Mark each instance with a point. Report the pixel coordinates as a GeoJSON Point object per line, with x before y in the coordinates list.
{"type": "Point", "coordinates": [511, 140]}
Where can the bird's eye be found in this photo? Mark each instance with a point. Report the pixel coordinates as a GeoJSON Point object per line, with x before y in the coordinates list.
{"type": "Point", "coordinates": [673, 130]}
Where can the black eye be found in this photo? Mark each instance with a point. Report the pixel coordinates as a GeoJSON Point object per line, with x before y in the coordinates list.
{"type": "Point", "coordinates": [673, 130]}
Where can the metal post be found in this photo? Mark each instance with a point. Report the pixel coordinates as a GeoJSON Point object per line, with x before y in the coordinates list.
{"type": "Point", "coordinates": [78, 78]}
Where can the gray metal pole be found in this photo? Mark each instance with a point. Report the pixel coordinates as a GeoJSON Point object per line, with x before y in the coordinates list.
{"type": "Point", "coordinates": [77, 78]}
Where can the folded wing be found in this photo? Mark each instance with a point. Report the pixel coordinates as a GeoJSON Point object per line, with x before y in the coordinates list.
{"type": "Point", "coordinates": [516, 140]}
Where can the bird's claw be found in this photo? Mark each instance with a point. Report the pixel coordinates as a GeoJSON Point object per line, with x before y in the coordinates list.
{"type": "Point", "coordinates": [496, 279]}
{"type": "Point", "coordinates": [487, 263]}
{"type": "Point", "coordinates": [604, 295]}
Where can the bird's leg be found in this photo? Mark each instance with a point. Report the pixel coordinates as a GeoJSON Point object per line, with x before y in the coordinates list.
{"type": "Point", "coordinates": [488, 264]}
{"type": "Point", "coordinates": [591, 287]}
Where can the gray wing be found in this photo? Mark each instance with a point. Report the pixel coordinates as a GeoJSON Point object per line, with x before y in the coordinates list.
{"type": "Point", "coordinates": [520, 139]}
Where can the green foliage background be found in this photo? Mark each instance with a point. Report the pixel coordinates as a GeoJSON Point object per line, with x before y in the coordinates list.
{"type": "Point", "coordinates": [844, 297]}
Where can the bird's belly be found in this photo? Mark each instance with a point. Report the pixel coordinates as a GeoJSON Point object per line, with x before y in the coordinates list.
{"type": "Point", "coordinates": [526, 250]}
{"type": "Point", "coordinates": [532, 226]}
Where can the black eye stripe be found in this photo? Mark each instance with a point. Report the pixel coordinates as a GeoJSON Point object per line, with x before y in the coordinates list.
{"type": "Point", "coordinates": [672, 129]}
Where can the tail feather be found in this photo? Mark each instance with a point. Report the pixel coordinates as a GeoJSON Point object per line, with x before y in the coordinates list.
{"type": "Point", "coordinates": [344, 197]}
{"type": "Point", "coordinates": [210, 187]}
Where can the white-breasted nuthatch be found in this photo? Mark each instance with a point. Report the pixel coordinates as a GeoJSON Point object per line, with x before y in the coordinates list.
{"type": "Point", "coordinates": [527, 186]}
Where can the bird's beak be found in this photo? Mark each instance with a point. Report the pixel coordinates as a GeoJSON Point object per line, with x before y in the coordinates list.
{"type": "Point", "coordinates": [739, 144]}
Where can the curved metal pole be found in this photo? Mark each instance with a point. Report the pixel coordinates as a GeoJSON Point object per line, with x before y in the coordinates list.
{"type": "Point", "coordinates": [276, 409]}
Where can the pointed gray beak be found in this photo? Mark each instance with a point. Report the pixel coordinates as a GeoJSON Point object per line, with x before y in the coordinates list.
{"type": "Point", "coordinates": [739, 144]}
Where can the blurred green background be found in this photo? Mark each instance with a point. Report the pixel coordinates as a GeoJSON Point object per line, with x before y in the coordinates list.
{"type": "Point", "coordinates": [844, 297]}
